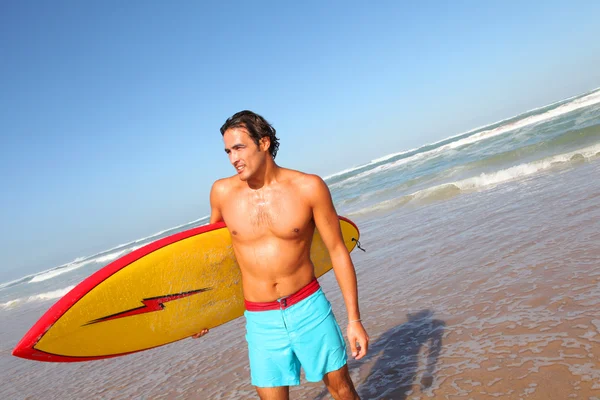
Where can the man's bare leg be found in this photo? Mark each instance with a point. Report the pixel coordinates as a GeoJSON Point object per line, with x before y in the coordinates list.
{"type": "Point", "coordinates": [340, 385]}
{"type": "Point", "coordinates": [274, 393]}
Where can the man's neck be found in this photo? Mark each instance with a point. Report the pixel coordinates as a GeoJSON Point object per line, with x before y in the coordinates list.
{"type": "Point", "coordinates": [265, 177]}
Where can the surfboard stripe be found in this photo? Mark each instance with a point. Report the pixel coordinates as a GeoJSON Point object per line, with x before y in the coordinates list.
{"type": "Point", "coordinates": [25, 347]}
{"type": "Point", "coordinates": [79, 326]}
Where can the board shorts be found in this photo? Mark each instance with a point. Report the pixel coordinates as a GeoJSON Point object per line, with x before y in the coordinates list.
{"type": "Point", "coordinates": [296, 331]}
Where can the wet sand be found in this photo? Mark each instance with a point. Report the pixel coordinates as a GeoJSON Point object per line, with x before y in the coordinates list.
{"type": "Point", "coordinates": [487, 295]}
{"type": "Point", "coordinates": [492, 295]}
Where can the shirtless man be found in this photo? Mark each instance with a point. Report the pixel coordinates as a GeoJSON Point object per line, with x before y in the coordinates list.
{"type": "Point", "coordinates": [271, 213]}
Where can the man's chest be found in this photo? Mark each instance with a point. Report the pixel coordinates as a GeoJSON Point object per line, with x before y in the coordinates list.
{"type": "Point", "coordinates": [250, 216]}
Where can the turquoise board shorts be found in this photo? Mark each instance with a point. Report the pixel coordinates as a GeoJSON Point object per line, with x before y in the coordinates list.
{"type": "Point", "coordinates": [304, 334]}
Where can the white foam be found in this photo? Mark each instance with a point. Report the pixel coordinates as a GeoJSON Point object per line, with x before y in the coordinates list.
{"type": "Point", "coordinates": [110, 256]}
{"type": "Point", "coordinates": [5, 284]}
{"type": "Point", "coordinates": [483, 181]}
{"type": "Point", "coordinates": [346, 171]}
{"type": "Point", "coordinates": [375, 161]}
{"type": "Point", "coordinates": [523, 170]}
{"type": "Point", "coordinates": [55, 294]}
{"type": "Point", "coordinates": [8, 304]}
{"type": "Point", "coordinates": [392, 155]}
{"type": "Point", "coordinates": [114, 255]}
{"type": "Point", "coordinates": [58, 271]}
{"type": "Point", "coordinates": [155, 234]}
{"type": "Point", "coordinates": [35, 275]}
{"type": "Point", "coordinates": [136, 247]}
{"type": "Point", "coordinates": [77, 263]}
{"type": "Point", "coordinates": [430, 194]}
{"type": "Point", "coordinates": [586, 101]}
{"type": "Point", "coordinates": [379, 169]}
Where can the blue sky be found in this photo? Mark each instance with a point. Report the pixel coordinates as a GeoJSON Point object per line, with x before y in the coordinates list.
{"type": "Point", "coordinates": [110, 111]}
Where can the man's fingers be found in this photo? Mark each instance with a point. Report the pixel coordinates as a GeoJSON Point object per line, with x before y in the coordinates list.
{"type": "Point", "coordinates": [359, 340]}
{"type": "Point", "coordinates": [364, 347]}
{"type": "Point", "coordinates": [200, 334]}
{"type": "Point", "coordinates": [353, 347]}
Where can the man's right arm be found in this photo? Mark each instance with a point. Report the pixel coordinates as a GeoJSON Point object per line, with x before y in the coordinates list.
{"type": "Point", "coordinates": [215, 216]}
{"type": "Point", "coordinates": [216, 193]}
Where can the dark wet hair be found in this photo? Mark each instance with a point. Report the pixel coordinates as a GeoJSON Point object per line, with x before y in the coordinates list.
{"type": "Point", "coordinates": [256, 126]}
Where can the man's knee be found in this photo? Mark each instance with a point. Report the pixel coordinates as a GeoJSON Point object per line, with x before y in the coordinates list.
{"type": "Point", "coordinates": [340, 385]}
{"type": "Point", "coordinates": [345, 392]}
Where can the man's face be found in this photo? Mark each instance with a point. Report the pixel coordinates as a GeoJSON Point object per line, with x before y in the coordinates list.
{"type": "Point", "coordinates": [245, 156]}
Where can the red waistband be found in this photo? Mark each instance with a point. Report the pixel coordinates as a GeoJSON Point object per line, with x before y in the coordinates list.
{"type": "Point", "coordinates": [286, 301]}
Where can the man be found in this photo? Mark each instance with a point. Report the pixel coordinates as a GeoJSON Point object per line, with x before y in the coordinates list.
{"type": "Point", "coordinates": [271, 213]}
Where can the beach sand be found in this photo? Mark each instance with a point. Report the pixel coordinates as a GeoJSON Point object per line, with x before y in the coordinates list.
{"type": "Point", "coordinates": [488, 295]}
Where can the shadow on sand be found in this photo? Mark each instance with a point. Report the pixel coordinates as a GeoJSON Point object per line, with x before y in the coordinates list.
{"type": "Point", "coordinates": [397, 352]}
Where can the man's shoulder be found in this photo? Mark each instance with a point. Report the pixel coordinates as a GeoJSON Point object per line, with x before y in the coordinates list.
{"type": "Point", "coordinates": [224, 184]}
{"type": "Point", "coordinates": [305, 183]}
{"type": "Point", "coordinates": [302, 178]}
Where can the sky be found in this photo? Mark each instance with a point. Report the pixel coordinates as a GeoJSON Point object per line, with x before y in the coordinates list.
{"type": "Point", "coordinates": [110, 111]}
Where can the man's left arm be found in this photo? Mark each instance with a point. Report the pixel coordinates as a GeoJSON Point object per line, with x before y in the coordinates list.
{"type": "Point", "coordinates": [328, 224]}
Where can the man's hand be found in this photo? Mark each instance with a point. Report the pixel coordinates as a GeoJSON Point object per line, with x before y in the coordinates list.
{"type": "Point", "coordinates": [200, 334]}
{"type": "Point", "coordinates": [357, 334]}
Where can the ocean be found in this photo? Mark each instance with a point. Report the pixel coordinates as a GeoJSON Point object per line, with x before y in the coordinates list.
{"type": "Point", "coordinates": [481, 279]}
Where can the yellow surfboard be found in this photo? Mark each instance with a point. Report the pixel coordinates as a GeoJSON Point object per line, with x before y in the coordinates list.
{"type": "Point", "coordinates": [163, 292]}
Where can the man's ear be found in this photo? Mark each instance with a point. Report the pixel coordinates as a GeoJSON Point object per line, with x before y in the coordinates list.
{"type": "Point", "coordinates": [265, 143]}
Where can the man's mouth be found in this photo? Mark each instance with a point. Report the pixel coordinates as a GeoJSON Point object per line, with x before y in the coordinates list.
{"type": "Point", "coordinates": [239, 169]}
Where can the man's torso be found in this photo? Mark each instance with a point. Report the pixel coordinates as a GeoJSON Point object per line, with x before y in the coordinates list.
{"type": "Point", "coordinates": [271, 230]}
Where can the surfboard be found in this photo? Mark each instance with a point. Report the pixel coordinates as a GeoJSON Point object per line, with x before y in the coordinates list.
{"type": "Point", "coordinates": [165, 291]}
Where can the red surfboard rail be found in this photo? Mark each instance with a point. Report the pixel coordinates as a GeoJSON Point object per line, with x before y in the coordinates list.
{"type": "Point", "coordinates": [26, 346]}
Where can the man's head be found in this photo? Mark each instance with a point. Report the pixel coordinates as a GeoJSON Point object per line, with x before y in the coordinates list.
{"type": "Point", "coordinates": [250, 143]}
{"type": "Point", "coordinates": [256, 126]}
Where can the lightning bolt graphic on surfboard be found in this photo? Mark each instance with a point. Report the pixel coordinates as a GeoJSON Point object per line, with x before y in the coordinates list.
{"type": "Point", "coordinates": [150, 305]}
